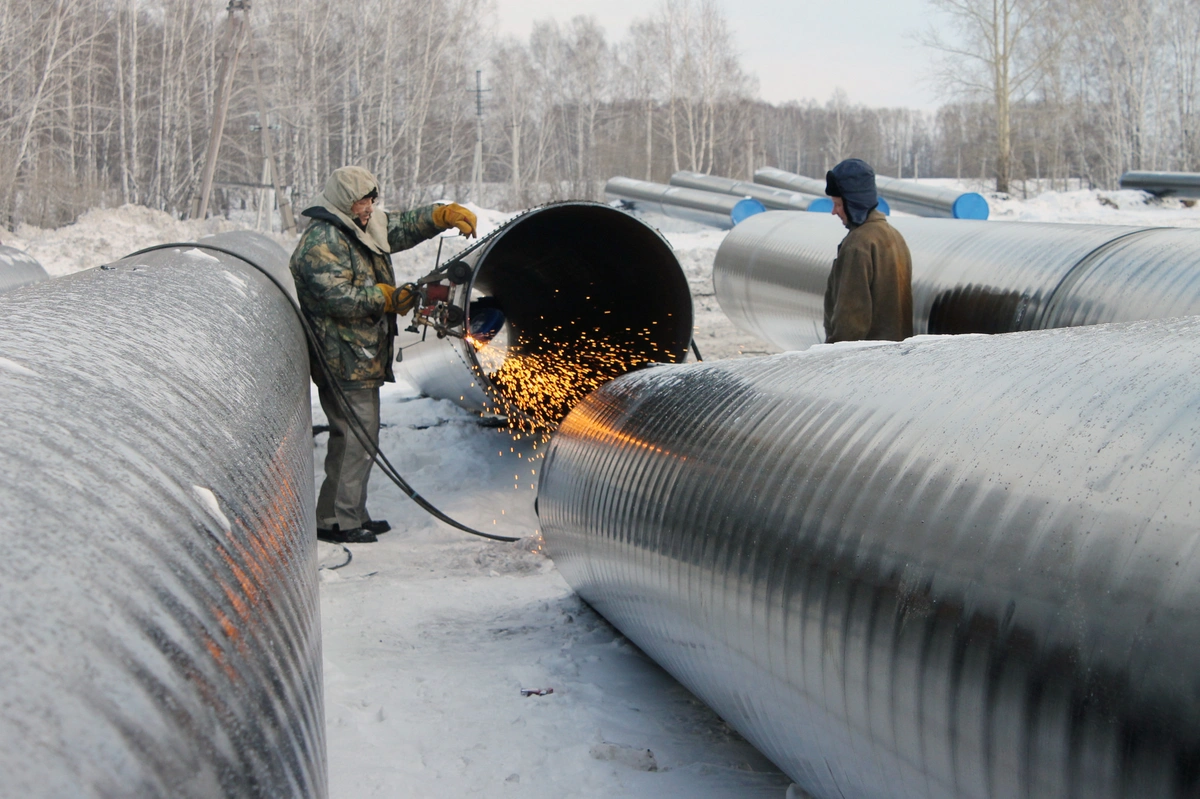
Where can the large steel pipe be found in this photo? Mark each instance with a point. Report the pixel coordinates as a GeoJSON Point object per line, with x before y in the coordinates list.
{"type": "Point", "coordinates": [772, 198]}
{"type": "Point", "coordinates": [694, 205]}
{"type": "Point", "coordinates": [561, 279]}
{"type": "Point", "coordinates": [968, 277]}
{"type": "Point", "coordinates": [1164, 184]}
{"type": "Point", "coordinates": [161, 627]}
{"type": "Point", "coordinates": [963, 567]}
{"type": "Point", "coordinates": [18, 268]}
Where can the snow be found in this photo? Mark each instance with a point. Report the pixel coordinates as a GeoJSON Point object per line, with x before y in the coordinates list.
{"type": "Point", "coordinates": [431, 635]}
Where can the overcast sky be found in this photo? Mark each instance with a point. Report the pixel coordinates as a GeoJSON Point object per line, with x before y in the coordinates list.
{"type": "Point", "coordinates": [798, 48]}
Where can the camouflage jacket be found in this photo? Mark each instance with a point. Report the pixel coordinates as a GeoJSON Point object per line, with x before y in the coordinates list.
{"type": "Point", "coordinates": [336, 277]}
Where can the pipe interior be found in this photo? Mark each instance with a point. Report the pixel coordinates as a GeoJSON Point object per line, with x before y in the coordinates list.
{"type": "Point", "coordinates": [575, 278]}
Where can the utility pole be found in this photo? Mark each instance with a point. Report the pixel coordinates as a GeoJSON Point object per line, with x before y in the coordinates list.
{"type": "Point", "coordinates": [236, 30]}
{"type": "Point", "coordinates": [477, 167]}
{"type": "Point", "coordinates": [285, 205]}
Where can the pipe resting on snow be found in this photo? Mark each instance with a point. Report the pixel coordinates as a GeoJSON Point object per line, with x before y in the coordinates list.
{"type": "Point", "coordinates": [965, 567]}
{"type": "Point", "coordinates": [161, 631]}
{"type": "Point", "coordinates": [968, 277]}
{"type": "Point", "coordinates": [1164, 184]}
{"type": "Point", "coordinates": [772, 198]}
{"type": "Point", "coordinates": [559, 300]}
{"type": "Point", "coordinates": [18, 268]}
{"type": "Point", "coordinates": [694, 205]}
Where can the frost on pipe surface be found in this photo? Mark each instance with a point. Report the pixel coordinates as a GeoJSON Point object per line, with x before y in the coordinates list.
{"type": "Point", "coordinates": [695, 205]}
{"type": "Point", "coordinates": [160, 634]}
{"type": "Point", "coordinates": [18, 268]}
{"type": "Point", "coordinates": [968, 276]}
{"type": "Point", "coordinates": [1164, 184]}
{"type": "Point", "coordinates": [560, 300]}
{"type": "Point", "coordinates": [964, 567]}
{"type": "Point", "coordinates": [773, 198]}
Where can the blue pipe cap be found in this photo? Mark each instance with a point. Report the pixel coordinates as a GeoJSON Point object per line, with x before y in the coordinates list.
{"type": "Point", "coordinates": [884, 207]}
{"type": "Point", "coordinates": [821, 205]}
{"type": "Point", "coordinates": [970, 206]}
{"type": "Point", "coordinates": [745, 209]}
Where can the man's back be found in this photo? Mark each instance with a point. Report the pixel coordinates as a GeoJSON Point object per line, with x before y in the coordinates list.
{"type": "Point", "coordinates": [869, 294]}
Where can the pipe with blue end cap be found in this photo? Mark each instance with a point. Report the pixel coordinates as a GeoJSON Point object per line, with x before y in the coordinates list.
{"type": "Point", "coordinates": [705, 207]}
{"type": "Point", "coordinates": [782, 179]}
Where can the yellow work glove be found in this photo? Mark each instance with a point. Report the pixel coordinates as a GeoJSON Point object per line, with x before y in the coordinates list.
{"type": "Point", "coordinates": [454, 215]}
{"type": "Point", "coordinates": [398, 300]}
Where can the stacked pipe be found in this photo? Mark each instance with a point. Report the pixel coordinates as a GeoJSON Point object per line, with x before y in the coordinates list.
{"type": "Point", "coordinates": [968, 277]}
{"type": "Point", "coordinates": [778, 178]}
{"type": "Point", "coordinates": [161, 628]}
{"type": "Point", "coordinates": [18, 268]}
{"type": "Point", "coordinates": [560, 279]}
{"type": "Point", "coordinates": [705, 207]}
{"type": "Point", "coordinates": [772, 198]}
{"type": "Point", "coordinates": [958, 567]}
{"type": "Point", "coordinates": [1164, 184]}
{"type": "Point", "coordinates": [904, 195]}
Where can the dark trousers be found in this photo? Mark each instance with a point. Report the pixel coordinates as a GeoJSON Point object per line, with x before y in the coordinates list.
{"type": "Point", "coordinates": [343, 497]}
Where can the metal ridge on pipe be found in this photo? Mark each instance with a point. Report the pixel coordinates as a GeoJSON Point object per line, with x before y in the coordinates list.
{"type": "Point", "coordinates": [559, 277]}
{"type": "Point", "coordinates": [769, 275]}
{"type": "Point", "coordinates": [705, 207]}
{"type": "Point", "coordinates": [780, 179]}
{"type": "Point", "coordinates": [18, 268]}
{"type": "Point", "coordinates": [963, 567]}
{"type": "Point", "coordinates": [771, 198]}
{"type": "Point", "coordinates": [1164, 184]}
{"type": "Point", "coordinates": [161, 626]}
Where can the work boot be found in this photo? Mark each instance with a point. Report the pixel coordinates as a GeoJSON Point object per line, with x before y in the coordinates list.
{"type": "Point", "coordinates": [377, 526]}
{"type": "Point", "coordinates": [357, 535]}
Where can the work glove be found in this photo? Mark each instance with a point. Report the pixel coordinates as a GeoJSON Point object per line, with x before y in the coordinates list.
{"type": "Point", "coordinates": [398, 300]}
{"type": "Point", "coordinates": [454, 215]}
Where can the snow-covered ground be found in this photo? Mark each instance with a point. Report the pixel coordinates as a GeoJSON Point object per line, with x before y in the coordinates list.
{"type": "Point", "coordinates": [430, 636]}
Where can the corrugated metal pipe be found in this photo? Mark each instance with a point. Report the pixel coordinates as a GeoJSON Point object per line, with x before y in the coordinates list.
{"type": "Point", "coordinates": [968, 277]}
{"type": "Point", "coordinates": [771, 198]}
{"type": "Point", "coordinates": [1164, 184]}
{"type": "Point", "coordinates": [161, 627]}
{"type": "Point", "coordinates": [780, 179]}
{"type": "Point", "coordinates": [18, 268]}
{"type": "Point", "coordinates": [705, 207]}
{"type": "Point", "coordinates": [963, 567]}
{"type": "Point", "coordinates": [562, 279]}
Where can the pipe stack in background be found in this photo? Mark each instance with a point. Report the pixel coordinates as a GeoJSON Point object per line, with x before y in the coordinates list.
{"type": "Point", "coordinates": [19, 268]}
{"type": "Point", "coordinates": [771, 198]}
{"type": "Point", "coordinates": [1164, 184]}
{"type": "Point", "coordinates": [704, 207]}
{"type": "Point", "coordinates": [963, 567]}
{"type": "Point", "coordinates": [563, 297]}
{"type": "Point", "coordinates": [968, 277]}
{"type": "Point", "coordinates": [160, 628]}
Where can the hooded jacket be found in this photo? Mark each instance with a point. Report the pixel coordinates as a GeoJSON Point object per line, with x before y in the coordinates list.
{"type": "Point", "coordinates": [337, 266]}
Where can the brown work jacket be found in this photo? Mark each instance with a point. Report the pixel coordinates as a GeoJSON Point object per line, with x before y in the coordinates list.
{"type": "Point", "coordinates": [869, 293]}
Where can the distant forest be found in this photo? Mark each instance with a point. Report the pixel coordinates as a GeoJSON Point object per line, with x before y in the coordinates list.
{"type": "Point", "coordinates": [104, 102]}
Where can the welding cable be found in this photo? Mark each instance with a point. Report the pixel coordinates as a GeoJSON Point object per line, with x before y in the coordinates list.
{"type": "Point", "coordinates": [356, 424]}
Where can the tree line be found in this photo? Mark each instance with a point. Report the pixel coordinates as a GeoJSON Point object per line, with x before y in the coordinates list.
{"type": "Point", "coordinates": [104, 102]}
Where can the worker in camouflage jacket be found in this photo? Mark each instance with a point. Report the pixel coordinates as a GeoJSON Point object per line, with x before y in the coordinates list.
{"type": "Point", "coordinates": [347, 289]}
{"type": "Point", "coordinates": [869, 293]}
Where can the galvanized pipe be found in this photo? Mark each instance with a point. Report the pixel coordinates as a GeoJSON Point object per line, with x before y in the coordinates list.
{"type": "Point", "coordinates": [161, 626]}
{"type": "Point", "coordinates": [1164, 184]}
{"type": "Point", "coordinates": [705, 207]}
{"type": "Point", "coordinates": [771, 198]}
{"type": "Point", "coordinates": [18, 268]}
{"type": "Point", "coordinates": [781, 179]}
{"type": "Point", "coordinates": [968, 277]}
{"type": "Point", "coordinates": [556, 273]}
{"type": "Point", "coordinates": [962, 567]}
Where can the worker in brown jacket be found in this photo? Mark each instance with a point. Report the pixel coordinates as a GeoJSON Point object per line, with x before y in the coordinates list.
{"type": "Point", "coordinates": [869, 293]}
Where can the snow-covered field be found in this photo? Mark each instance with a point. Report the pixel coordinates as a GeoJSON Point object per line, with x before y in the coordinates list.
{"type": "Point", "coordinates": [430, 635]}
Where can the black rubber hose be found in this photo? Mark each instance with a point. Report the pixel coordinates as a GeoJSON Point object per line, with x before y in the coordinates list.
{"type": "Point", "coordinates": [356, 426]}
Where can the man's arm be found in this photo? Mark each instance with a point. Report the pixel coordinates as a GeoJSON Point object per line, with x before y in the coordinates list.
{"type": "Point", "coordinates": [324, 269]}
{"type": "Point", "coordinates": [410, 228]}
{"type": "Point", "coordinates": [852, 309]}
